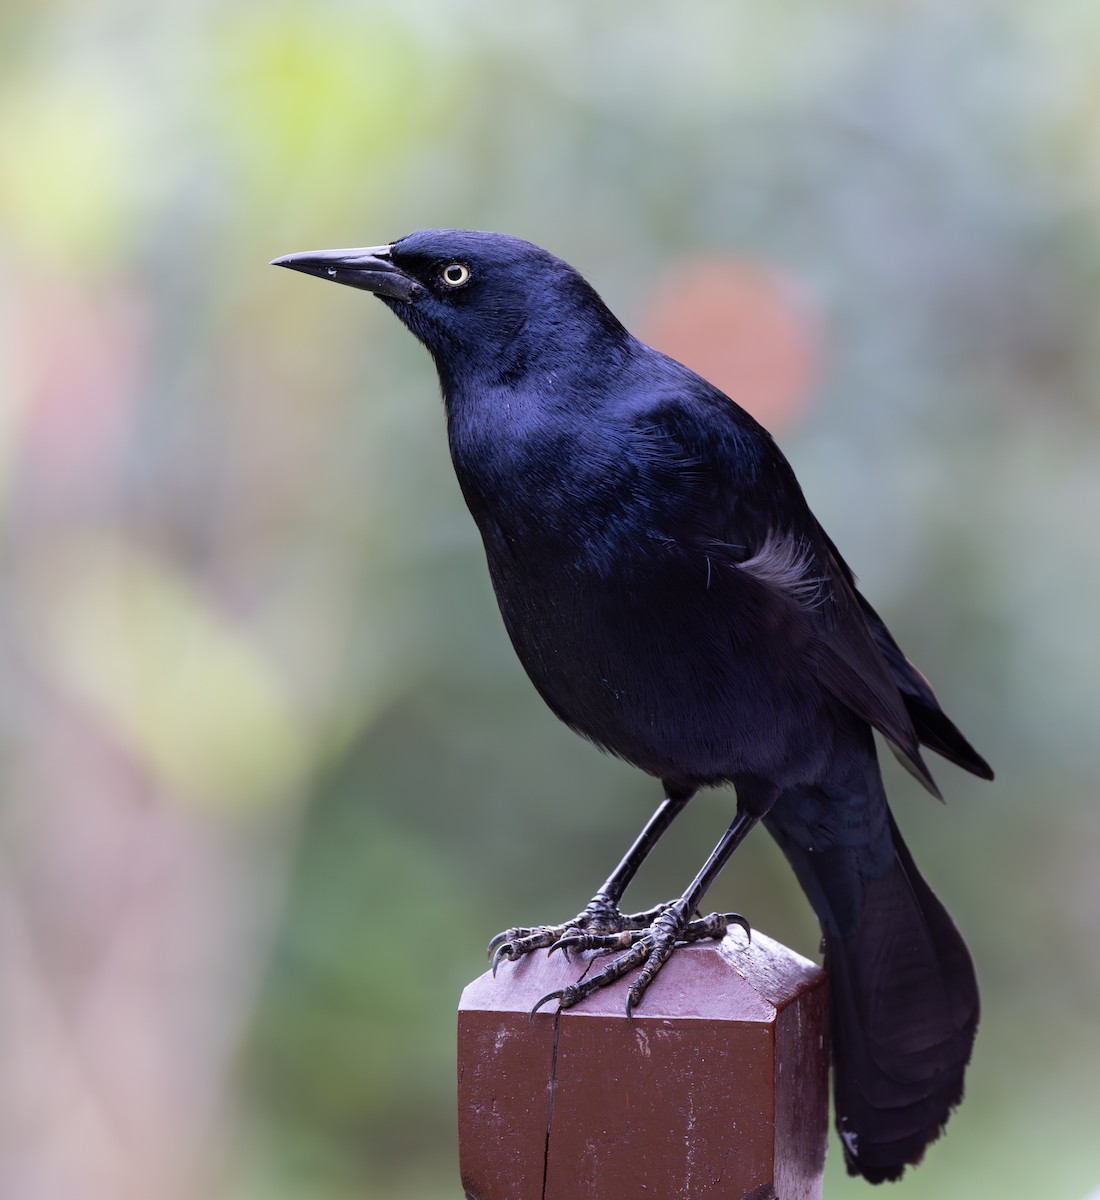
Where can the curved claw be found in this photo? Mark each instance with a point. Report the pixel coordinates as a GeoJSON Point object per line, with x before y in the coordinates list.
{"type": "Point", "coordinates": [722, 922]}
{"type": "Point", "coordinates": [561, 944]}
{"type": "Point", "coordinates": [558, 996]}
{"type": "Point", "coordinates": [739, 920]}
{"type": "Point", "coordinates": [714, 925]}
{"type": "Point", "coordinates": [496, 943]}
{"type": "Point", "coordinates": [504, 950]}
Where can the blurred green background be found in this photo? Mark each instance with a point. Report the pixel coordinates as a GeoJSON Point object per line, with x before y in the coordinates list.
{"type": "Point", "coordinates": [271, 775]}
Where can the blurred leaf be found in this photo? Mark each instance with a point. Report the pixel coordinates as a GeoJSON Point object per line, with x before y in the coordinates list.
{"type": "Point", "coordinates": [317, 106]}
{"type": "Point", "coordinates": [66, 163]}
{"type": "Point", "coordinates": [174, 680]}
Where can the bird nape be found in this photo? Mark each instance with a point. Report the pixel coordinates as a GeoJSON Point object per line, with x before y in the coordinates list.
{"type": "Point", "coordinates": [674, 600]}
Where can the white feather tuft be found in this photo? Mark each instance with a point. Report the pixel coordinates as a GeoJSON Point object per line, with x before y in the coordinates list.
{"type": "Point", "coordinates": [787, 564]}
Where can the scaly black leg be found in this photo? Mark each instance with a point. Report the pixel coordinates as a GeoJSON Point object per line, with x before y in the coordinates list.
{"type": "Point", "coordinates": [650, 949]}
{"type": "Point", "coordinates": [600, 917]}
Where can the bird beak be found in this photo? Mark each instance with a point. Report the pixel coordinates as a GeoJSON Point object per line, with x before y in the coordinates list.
{"type": "Point", "coordinates": [368, 267]}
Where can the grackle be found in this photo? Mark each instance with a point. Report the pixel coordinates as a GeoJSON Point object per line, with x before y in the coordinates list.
{"type": "Point", "coordinates": [674, 600]}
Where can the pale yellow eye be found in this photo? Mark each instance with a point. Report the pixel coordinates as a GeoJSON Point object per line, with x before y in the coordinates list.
{"type": "Point", "coordinates": [455, 274]}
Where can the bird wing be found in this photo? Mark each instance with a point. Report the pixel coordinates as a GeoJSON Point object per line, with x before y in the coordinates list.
{"type": "Point", "coordinates": [748, 511]}
{"type": "Point", "coordinates": [934, 728]}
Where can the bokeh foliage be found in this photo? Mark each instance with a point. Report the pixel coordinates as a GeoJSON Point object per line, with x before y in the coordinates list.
{"type": "Point", "coordinates": [244, 607]}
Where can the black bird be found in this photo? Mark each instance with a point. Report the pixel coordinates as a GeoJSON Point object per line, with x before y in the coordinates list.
{"type": "Point", "coordinates": [674, 600]}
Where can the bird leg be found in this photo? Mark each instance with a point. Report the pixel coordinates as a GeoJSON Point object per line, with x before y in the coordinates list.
{"type": "Point", "coordinates": [600, 917]}
{"type": "Point", "coordinates": [651, 948]}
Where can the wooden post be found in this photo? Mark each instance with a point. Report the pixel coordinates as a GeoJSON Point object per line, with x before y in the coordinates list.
{"type": "Point", "coordinates": [715, 1089]}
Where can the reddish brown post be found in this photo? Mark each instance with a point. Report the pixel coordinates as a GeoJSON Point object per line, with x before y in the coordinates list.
{"type": "Point", "coordinates": [715, 1089]}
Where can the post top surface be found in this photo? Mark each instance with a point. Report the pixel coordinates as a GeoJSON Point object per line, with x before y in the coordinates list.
{"type": "Point", "coordinates": [733, 979]}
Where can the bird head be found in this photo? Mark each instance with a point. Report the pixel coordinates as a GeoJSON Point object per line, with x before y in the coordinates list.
{"type": "Point", "coordinates": [482, 303]}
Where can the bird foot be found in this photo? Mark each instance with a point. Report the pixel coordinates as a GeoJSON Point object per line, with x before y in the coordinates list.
{"type": "Point", "coordinates": [647, 939]}
{"type": "Point", "coordinates": [648, 948]}
{"type": "Point", "coordinates": [600, 922]}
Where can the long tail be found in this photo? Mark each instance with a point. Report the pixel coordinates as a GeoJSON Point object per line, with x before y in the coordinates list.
{"type": "Point", "coordinates": [903, 995]}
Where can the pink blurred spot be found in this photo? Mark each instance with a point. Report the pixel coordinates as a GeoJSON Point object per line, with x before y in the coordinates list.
{"type": "Point", "coordinates": [742, 326]}
{"type": "Point", "coordinates": [83, 354]}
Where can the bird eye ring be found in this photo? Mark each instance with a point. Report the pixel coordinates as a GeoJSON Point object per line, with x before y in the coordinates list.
{"type": "Point", "coordinates": [455, 274]}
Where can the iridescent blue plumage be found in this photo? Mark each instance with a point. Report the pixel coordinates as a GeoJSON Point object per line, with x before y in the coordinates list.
{"type": "Point", "coordinates": [673, 598]}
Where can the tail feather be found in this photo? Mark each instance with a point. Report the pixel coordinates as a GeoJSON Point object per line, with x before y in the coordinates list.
{"type": "Point", "coordinates": [905, 1012]}
{"type": "Point", "coordinates": [903, 995]}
